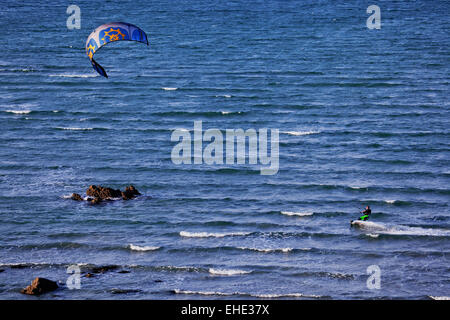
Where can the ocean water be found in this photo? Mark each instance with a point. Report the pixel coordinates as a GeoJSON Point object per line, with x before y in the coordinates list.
{"type": "Point", "coordinates": [363, 117]}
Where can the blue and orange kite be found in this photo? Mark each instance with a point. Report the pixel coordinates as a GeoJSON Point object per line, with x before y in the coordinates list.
{"type": "Point", "coordinates": [110, 32]}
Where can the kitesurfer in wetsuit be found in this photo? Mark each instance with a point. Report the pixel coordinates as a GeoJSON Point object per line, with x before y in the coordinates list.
{"type": "Point", "coordinates": [366, 213]}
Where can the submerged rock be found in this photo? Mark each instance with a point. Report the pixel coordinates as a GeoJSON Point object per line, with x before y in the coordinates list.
{"type": "Point", "coordinates": [40, 286]}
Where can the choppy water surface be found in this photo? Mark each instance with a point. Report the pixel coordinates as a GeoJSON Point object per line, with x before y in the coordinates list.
{"type": "Point", "coordinates": [363, 119]}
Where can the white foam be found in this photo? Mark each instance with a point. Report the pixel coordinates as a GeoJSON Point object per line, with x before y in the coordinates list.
{"type": "Point", "coordinates": [169, 89]}
{"type": "Point", "coordinates": [439, 297]}
{"type": "Point", "coordinates": [266, 250]}
{"type": "Point", "coordinates": [300, 214]}
{"type": "Point", "coordinates": [211, 234]}
{"type": "Point", "coordinates": [227, 272]}
{"type": "Point", "coordinates": [390, 201]}
{"type": "Point", "coordinates": [372, 235]}
{"type": "Point", "coordinates": [144, 248]}
{"type": "Point", "coordinates": [300, 133]}
{"type": "Point", "coordinates": [256, 295]}
{"type": "Point", "coordinates": [203, 293]}
{"type": "Point", "coordinates": [378, 228]}
{"type": "Point", "coordinates": [285, 295]}
{"type": "Point", "coordinates": [230, 112]}
{"type": "Point", "coordinates": [224, 96]}
{"type": "Point", "coordinates": [18, 111]}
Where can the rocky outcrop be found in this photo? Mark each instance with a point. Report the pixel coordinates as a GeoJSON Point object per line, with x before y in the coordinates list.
{"type": "Point", "coordinates": [102, 192]}
{"type": "Point", "coordinates": [76, 197]}
{"type": "Point", "coordinates": [40, 286]}
{"type": "Point", "coordinates": [98, 194]}
{"type": "Point", "coordinates": [130, 193]}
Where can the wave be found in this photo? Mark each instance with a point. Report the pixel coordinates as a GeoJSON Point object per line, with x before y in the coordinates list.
{"type": "Point", "coordinates": [256, 295]}
{"type": "Point", "coordinates": [300, 214]}
{"type": "Point", "coordinates": [440, 297]}
{"type": "Point", "coordinates": [211, 234]}
{"type": "Point", "coordinates": [230, 112]}
{"type": "Point", "coordinates": [300, 133]}
{"type": "Point", "coordinates": [267, 250]}
{"type": "Point", "coordinates": [378, 228]}
{"type": "Point", "coordinates": [390, 201]}
{"type": "Point", "coordinates": [74, 75]}
{"type": "Point", "coordinates": [18, 111]}
{"type": "Point", "coordinates": [372, 235]}
{"type": "Point", "coordinates": [169, 88]}
{"type": "Point", "coordinates": [74, 128]}
{"type": "Point", "coordinates": [227, 272]}
{"type": "Point", "coordinates": [144, 248]}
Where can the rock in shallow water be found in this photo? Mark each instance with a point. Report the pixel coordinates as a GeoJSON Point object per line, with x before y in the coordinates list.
{"type": "Point", "coordinates": [76, 197]}
{"type": "Point", "coordinates": [97, 194]}
{"type": "Point", "coordinates": [40, 286]}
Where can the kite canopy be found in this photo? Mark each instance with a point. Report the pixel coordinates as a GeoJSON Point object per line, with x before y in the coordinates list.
{"type": "Point", "coordinates": [110, 32]}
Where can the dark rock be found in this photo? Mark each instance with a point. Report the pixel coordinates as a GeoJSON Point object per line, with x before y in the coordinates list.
{"type": "Point", "coordinates": [130, 193]}
{"type": "Point", "coordinates": [102, 192]}
{"type": "Point", "coordinates": [96, 201]}
{"type": "Point", "coordinates": [76, 197]}
{"type": "Point", "coordinates": [158, 280]}
{"type": "Point", "coordinates": [103, 269]}
{"type": "Point", "coordinates": [40, 286]}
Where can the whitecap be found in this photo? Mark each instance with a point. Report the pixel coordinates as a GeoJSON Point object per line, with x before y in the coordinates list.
{"type": "Point", "coordinates": [256, 295]}
{"type": "Point", "coordinates": [169, 88]}
{"type": "Point", "coordinates": [210, 234]}
{"type": "Point", "coordinates": [439, 297]}
{"type": "Point", "coordinates": [143, 248]}
{"type": "Point", "coordinates": [300, 133]}
{"type": "Point", "coordinates": [300, 214]}
{"type": "Point", "coordinates": [285, 295]}
{"type": "Point", "coordinates": [203, 293]}
{"type": "Point", "coordinates": [267, 250]}
{"type": "Point", "coordinates": [18, 111]}
{"type": "Point", "coordinates": [227, 272]}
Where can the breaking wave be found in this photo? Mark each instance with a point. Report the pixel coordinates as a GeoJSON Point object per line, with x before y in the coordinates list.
{"type": "Point", "coordinates": [299, 214]}
{"type": "Point", "coordinates": [144, 248]}
{"type": "Point", "coordinates": [211, 234]}
{"type": "Point", "coordinates": [227, 272]}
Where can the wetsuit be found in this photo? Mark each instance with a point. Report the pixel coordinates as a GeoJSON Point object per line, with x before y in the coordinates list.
{"type": "Point", "coordinates": [366, 213]}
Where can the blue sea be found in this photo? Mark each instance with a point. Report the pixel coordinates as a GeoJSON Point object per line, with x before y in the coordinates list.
{"type": "Point", "coordinates": [363, 119]}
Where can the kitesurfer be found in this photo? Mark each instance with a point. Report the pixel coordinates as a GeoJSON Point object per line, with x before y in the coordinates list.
{"type": "Point", "coordinates": [366, 214]}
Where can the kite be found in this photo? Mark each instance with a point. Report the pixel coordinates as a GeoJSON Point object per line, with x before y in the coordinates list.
{"type": "Point", "coordinates": [110, 32]}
